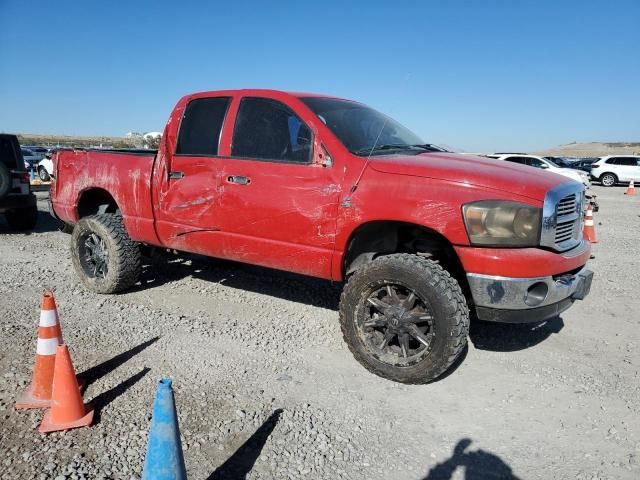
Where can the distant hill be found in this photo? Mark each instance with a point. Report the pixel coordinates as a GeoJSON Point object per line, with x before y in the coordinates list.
{"type": "Point", "coordinates": [76, 141]}
{"type": "Point", "coordinates": [592, 149]}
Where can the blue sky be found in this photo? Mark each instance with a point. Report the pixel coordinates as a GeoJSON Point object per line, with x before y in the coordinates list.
{"type": "Point", "coordinates": [475, 75]}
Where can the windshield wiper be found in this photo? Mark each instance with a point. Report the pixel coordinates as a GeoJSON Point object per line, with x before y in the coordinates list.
{"type": "Point", "coordinates": [429, 147]}
{"type": "Point", "coordinates": [389, 146]}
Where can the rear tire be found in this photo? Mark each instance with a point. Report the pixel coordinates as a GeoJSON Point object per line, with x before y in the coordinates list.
{"type": "Point", "coordinates": [23, 219]}
{"type": "Point", "coordinates": [608, 180]}
{"type": "Point", "coordinates": [393, 348]}
{"type": "Point", "coordinates": [104, 256]}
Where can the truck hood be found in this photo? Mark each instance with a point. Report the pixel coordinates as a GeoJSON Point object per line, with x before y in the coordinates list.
{"type": "Point", "coordinates": [481, 172]}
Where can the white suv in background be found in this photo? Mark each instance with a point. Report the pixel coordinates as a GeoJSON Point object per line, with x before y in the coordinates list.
{"type": "Point", "coordinates": [612, 169]}
{"type": "Point", "coordinates": [546, 164]}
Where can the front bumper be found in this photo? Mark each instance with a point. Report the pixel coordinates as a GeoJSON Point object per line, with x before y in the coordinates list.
{"type": "Point", "coordinates": [525, 300]}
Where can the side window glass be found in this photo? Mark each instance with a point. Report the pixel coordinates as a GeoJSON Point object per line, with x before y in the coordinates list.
{"type": "Point", "coordinates": [629, 162]}
{"type": "Point", "coordinates": [534, 162]}
{"type": "Point", "coordinates": [201, 126]}
{"type": "Point", "coordinates": [269, 130]}
{"type": "Point", "coordinates": [612, 161]}
{"type": "Point", "coordinates": [516, 160]}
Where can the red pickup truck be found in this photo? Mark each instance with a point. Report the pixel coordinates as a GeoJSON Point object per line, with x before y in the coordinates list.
{"type": "Point", "coordinates": [334, 189]}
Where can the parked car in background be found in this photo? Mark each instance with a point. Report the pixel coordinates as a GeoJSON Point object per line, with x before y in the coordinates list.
{"type": "Point", "coordinates": [30, 157]}
{"type": "Point", "coordinates": [37, 150]}
{"type": "Point", "coordinates": [560, 161]}
{"type": "Point", "coordinates": [584, 164]}
{"type": "Point", "coordinates": [546, 164]}
{"type": "Point", "coordinates": [45, 168]}
{"type": "Point", "coordinates": [17, 203]}
{"type": "Point", "coordinates": [612, 169]}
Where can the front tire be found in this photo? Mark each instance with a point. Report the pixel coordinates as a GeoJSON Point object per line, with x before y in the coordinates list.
{"type": "Point", "coordinates": [404, 318]}
{"type": "Point", "coordinates": [104, 256]}
{"type": "Point", "coordinates": [608, 180]}
{"type": "Point", "coordinates": [23, 219]}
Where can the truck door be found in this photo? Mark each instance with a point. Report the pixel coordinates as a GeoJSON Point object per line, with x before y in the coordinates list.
{"type": "Point", "coordinates": [277, 205]}
{"type": "Point", "coordinates": [186, 214]}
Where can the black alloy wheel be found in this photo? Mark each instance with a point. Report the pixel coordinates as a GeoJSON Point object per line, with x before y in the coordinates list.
{"type": "Point", "coordinates": [398, 327]}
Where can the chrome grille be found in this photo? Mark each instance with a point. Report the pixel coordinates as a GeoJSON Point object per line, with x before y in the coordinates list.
{"type": "Point", "coordinates": [566, 219]}
{"type": "Point", "coordinates": [563, 217]}
{"type": "Point", "coordinates": [567, 205]}
{"type": "Point", "coordinates": [564, 231]}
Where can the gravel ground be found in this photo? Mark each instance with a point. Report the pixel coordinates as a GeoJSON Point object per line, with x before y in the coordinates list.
{"type": "Point", "coordinates": [265, 387]}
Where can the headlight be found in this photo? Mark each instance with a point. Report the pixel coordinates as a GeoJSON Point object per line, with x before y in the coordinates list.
{"type": "Point", "coordinates": [502, 223]}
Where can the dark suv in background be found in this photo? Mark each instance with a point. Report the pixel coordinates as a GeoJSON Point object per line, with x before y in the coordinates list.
{"type": "Point", "coordinates": [17, 203]}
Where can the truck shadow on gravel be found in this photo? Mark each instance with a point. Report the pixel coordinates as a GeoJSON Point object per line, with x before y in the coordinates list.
{"type": "Point", "coordinates": [162, 268]}
{"type": "Point", "coordinates": [241, 462]}
{"type": "Point", "coordinates": [505, 337]}
{"type": "Point", "coordinates": [478, 465]}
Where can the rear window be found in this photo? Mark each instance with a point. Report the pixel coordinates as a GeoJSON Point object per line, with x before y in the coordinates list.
{"type": "Point", "coordinates": [201, 126]}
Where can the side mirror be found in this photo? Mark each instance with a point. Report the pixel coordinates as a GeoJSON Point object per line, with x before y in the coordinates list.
{"type": "Point", "coordinates": [321, 155]}
{"type": "Point", "coordinates": [544, 166]}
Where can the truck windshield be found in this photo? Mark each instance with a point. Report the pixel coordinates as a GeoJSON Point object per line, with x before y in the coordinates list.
{"type": "Point", "coordinates": [363, 130]}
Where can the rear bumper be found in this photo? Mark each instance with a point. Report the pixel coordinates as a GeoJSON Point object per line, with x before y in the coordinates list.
{"type": "Point", "coordinates": [525, 300]}
{"type": "Point", "coordinates": [16, 202]}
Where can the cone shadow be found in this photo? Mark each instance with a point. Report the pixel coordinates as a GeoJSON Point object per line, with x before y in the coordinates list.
{"type": "Point", "coordinates": [95, 373]}
{"type": "Point", "coordinates": [242, 461]}
{"type": "Point", "coordinates": [105, 398]}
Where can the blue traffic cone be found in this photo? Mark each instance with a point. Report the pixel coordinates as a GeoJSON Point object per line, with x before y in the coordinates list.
{"type": "Point", "coordinates": [164, 459]}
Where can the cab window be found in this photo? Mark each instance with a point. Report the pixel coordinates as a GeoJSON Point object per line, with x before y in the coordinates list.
{"type": "Point", "coordinates": [266, 129]}
{"type": "Point", "coordinates": [201, 126]}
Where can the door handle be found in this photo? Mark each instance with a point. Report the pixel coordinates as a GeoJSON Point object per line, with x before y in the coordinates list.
{"type": "Point", "coordinates": [238, 179]}
{"type": "Point", "coordinates": [176, 175]}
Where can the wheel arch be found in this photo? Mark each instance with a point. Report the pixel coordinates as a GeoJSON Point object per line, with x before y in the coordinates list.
{"type": "Point", "coordinates": [383, 237]}
{"type": "Point", "coordinates": [96, 200]}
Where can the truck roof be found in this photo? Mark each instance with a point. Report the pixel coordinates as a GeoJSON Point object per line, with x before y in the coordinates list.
{"type": "Point", "coordinates": [262, 91]}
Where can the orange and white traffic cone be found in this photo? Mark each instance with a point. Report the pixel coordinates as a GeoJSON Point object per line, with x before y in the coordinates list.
{"type": "Point", "coordinates": [589, 228]}
{"type": "Point", "coordinates": [631, 189]}
{"type": "Point", "coordinates": [67, 408]}
{"type": "Point", "coordinates": [38, 393]}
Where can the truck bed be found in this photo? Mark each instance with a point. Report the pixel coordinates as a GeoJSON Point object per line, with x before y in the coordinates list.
{"type": "Point", "coordinates": [124, 175]}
